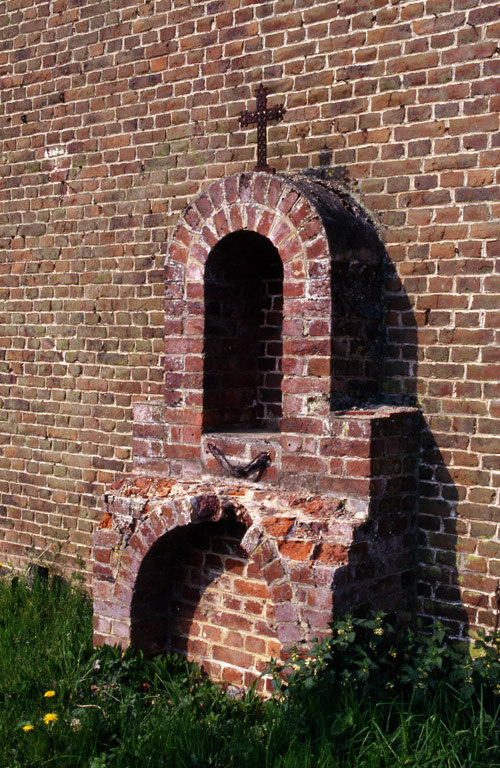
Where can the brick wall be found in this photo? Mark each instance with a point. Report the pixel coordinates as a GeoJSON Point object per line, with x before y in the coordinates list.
{"type": "Point", "coordinates": [116, 114]}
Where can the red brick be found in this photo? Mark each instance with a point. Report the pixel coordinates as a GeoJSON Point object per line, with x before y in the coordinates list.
{"type": "Point", "coordinates": [296, 550]}
{"type": "Point", "coordinates": [278, 526]}
{"type": "Point", "coordinates": [331, 553]}
{"type": "Point", "coordinates": [232, 656]}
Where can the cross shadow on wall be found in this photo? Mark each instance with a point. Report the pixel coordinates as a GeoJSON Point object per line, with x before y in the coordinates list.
{"type": "Point", "coordinates": [375, 361]}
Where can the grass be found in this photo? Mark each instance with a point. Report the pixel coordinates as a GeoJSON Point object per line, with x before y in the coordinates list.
{"type": "Point", "coordinates": [364, 698]}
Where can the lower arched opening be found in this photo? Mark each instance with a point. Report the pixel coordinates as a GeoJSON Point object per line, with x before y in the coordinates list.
{"type": "Point", "coordinates": [198, 594]}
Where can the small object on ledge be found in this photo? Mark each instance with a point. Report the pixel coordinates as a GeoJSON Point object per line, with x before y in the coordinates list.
{"type": "Point", "coordinates": [256, 467]}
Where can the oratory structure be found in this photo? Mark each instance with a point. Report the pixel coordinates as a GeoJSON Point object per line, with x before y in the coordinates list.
{"type": "Point", "coordinates": [273, 486]}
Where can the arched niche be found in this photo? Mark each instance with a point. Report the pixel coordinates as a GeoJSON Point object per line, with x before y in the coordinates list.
{"type": "Point", "coordinates": [222, 370]}
{"type": "Point", "coordinates": [243, 346]}
{"type": "Point", "coordinates": [199, 594]}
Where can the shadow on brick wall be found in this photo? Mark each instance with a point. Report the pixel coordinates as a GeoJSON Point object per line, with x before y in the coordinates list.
{"type": "Point", "coordinates": [199, 594]}
{"type": "Point", "coordinates": [407, 552]}
{"type": "Point", "coordinates": [437, 584]}
{"type": "Point", "coordinates": [439, 581]}
{"type": "Point", "coordinates": [403, 559]}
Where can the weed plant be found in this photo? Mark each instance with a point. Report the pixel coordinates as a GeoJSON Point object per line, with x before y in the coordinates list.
{"type": "Point", "coordinates": [364, 697]}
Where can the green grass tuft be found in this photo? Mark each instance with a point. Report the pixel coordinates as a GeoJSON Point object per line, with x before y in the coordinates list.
{"type": "Point", "coordinates": [365, 697]}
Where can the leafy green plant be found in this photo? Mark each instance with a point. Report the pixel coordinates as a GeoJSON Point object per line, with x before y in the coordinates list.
{"type": "Point", "coordinates": [367, 696]}
{"type": "Point", "coordinates": [397, 698]}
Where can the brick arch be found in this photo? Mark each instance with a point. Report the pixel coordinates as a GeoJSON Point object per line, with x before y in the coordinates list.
{"type": "Point", "coordinates": [198, 593]}
{"type": "Point", "coordinates": [277, 208]}
{"type": "Point", "coordinates": [269, 205]}
{"type": "Point", "coordinates": [119, 556]}
{"type": "Point", "coordinates": [281, 542]}
{"type": "Point", "coordinates": [261, 549]}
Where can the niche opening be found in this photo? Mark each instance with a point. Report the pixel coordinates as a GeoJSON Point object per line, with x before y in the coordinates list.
{"type": "Point", "coordinates": [243, 334]}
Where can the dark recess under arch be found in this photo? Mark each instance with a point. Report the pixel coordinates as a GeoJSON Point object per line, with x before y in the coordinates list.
{"type": "Point", "coordinates": [243, 333]}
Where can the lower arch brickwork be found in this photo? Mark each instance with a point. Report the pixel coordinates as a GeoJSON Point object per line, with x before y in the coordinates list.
{"type": "Point", "coordinates": [175, 562]}
{"type": "Point", "coordinates": [199, 594]}
{"type": "Point", "coordinates": [286, 547]}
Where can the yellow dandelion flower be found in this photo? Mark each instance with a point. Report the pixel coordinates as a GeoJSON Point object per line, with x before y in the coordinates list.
{"type": "Point", "coordinates": [49, 694]}
{"type": "Point", "coordinates": [28, 727]}
{"type": "Point", "coordinates": [50, 717]}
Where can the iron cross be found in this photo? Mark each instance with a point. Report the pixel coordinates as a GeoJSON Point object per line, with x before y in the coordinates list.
{"type": "Point", "coordinates": [261, 116]}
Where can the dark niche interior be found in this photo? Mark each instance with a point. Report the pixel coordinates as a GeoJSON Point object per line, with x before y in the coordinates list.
{"type": "Point", "coordinates": [243, 334]}
{"type": "Point", "coordinates": [358, 336]}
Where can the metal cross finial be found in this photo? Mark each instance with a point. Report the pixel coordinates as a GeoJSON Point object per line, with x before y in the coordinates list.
{"type": "Point", "coordinates": [261, 116]}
